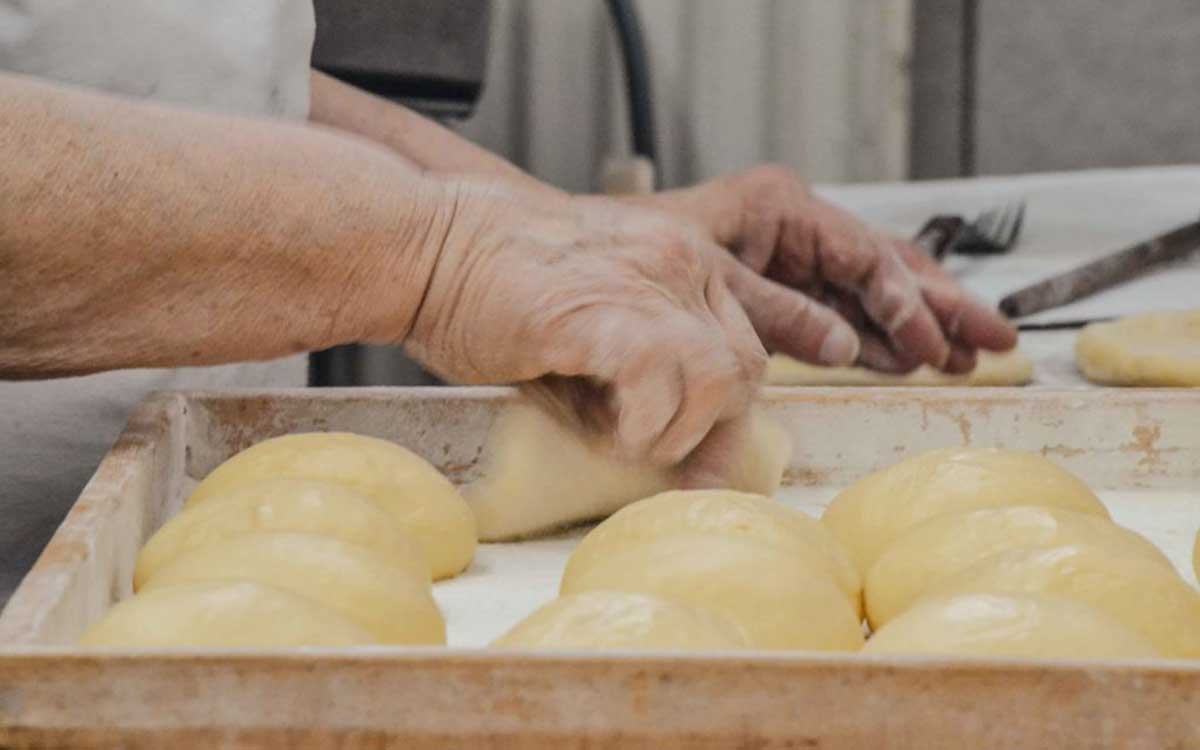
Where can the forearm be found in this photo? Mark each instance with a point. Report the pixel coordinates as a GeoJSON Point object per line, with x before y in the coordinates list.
{"type": "Point", "coordinates": [423, 142]}
{"type": "Point", "coordinates": [134, 235]}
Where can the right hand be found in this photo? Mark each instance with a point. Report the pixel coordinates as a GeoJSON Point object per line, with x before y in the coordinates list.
{"type": "Point", "coordinates": [619, 315]}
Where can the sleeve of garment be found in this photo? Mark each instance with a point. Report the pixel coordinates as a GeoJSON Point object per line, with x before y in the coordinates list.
{"type": "Point", "coordinates": [238, 56]}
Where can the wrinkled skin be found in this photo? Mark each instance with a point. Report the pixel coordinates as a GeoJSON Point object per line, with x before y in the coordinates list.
{"type": "Point", "coordinates": [638, 319]}
{"type": "Point", "coordinates": [906, 310]}
{"type": "Point", "coordinates": [613, 315]}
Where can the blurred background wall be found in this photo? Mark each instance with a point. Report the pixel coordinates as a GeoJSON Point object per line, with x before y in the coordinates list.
{"type": "Point", "coordinates": [819, 84]}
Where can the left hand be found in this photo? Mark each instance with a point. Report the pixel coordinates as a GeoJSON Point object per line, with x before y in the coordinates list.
{"type": "Point", "coordinates": [906, 310]}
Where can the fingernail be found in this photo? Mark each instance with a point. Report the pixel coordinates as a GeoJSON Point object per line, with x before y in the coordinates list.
{"type": "Point", "coordinates": [840, 348]}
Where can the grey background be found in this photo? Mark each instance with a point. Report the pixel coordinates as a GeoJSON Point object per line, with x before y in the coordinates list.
{"type": "Point", "coordinates": [1066, 84]}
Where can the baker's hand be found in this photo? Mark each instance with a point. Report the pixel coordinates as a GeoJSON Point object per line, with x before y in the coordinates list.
{"type": "Point", "coordinates": [905, 308]}
{"type": "Point", "coordinates": [618, 314]}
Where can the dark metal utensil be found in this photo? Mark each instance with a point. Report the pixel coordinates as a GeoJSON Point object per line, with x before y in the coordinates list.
{"type": "Point", "coordinates": [1104, 273]}
{"type": "Point", "coordinates": [993, 232]}
{"type": "Point", "coordinates": [1061, 325]}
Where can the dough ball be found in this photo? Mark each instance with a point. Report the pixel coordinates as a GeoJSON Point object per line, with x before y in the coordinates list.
{"type": "Point", "coordinates": [1161, 349]}
{"type": "Point", "coordinates": [874, 511]}
{"type": "Point", "coordinates": [779, 602]}
{"type": "Point", "coordinates": [322, 508]}
{"type": "Point", "coordinates": [944, 545]}
{"type": "Point", "coordinates": [757, 519]}
{"type": "Point", "coordinates": [393, 604]}
{"type": "Point", "coordinates": [618, 620]}
{"type": "Point", "coordinates": [1139, 593]}
{"type": "Point", "coordinates": [422, 501]}
{"type": "Point", "coordinates": [222, 614]}
{"type": "Point", "coordinates": [540, 476]}
{"type": "Point", "coordinates": [1026, 626]}
{"type": "Point", "coordinates": [992, 369]}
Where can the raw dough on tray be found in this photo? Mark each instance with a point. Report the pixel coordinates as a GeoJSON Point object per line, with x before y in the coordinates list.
{"type": "Point", "coordinates": [1009, 368]}
{"type": "Point", "coordinates": [1027, 626]}
{"type": "Point", "coordinates": [421, 500]}
{"type": "Point", "coordinates": [540, 476]}
{"type": "Point", "coordinates": [1161, 349]}
{"type": "Point", "coordinates": [619, 620]}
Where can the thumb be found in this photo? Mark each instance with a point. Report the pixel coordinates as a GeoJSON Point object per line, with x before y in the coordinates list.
{"type": "Point", "coordinates": [791, 322]}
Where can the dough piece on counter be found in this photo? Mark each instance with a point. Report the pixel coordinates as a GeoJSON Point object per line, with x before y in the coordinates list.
{"type": "Point", "coordinates": [1161, 349]}
{"type": "Point", "coordinates": [540, 476]}
{"type": "Point", "coordinates": [1026, 626]}
{"type": "Point", "coordinates": [937, 549]}
{"type": "Point", "coordinates": [306, 506]}
{"type": "Point", "coordinates": [1139, 593]}
{"type": "Point", "coordinates": [991, 369]}
{"type": "Point", "coordinates": [423, 502]}
{"type": "Point", "coordinates": [619, 620]}
{"type": "Point", "coordinates": [757, 519]}
{"type": "Point", "coordinates": [873, 512]}
{"type": "Point", "coordinates": [222, 614]}
{"type": "Point", "coordinates": [393, 604]}
{"type": "Point", "coordinates": [777, 600]}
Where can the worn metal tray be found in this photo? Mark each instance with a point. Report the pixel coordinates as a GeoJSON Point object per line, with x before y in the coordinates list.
{"type": "Point", "coordinates": [1139, 449]}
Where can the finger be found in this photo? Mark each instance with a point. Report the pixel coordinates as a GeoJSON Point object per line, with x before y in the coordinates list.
{"type": "Point", "coordinates": [714, 388]}
{"type": "Point", "coordinates": [707, 467]}
{"type": "Point", "coordinates": [787, 321]}
{"type": "Point", "coordinates": [892, 298]}
{"type": "Point", "coordinates": [739, 331]}
{"type": "Point", "coordinates": [961, 361]}
{"type": "Point", "coordinates": [967, 322]}
{"type": "Point", "coordinates": [878, 354]}
{"type": "Point", "coordinates": [647, 397]}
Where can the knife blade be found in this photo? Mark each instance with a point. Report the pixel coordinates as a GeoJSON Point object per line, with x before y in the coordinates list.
{"type": "Point", "coordinates": [1102, 273]}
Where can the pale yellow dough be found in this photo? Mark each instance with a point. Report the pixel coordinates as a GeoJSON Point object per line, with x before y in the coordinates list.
{"type": "Point", "coordinates": [991, 369]}
{"type": "Point", "coordinates": [422, 501]}
{"type": "Point", "coordinates": [874, 511]}
{"type": "Point", "coordinates": [323, 508]}
{"type": "Point", "coordinates": [540, 476]}
{"type": "Point", "coordinates": [222, 614]}
{"type": "Point", "coordinates": [754, 518]}
{"type": "Point", "coordinates": [619, 620]}
{"type": "Point", "coordinates": [1008, 625]}
{"type": "Point", "coordinates": [1161, 349]}
{"type": "Point", "coordinates": [1137, 592]}
{"type": "Point", "coordinates": [392, 603]}
{"type": "Point", "coordinates": [947, 544]}
{"type": "Point", "coordinates": [777, 600]}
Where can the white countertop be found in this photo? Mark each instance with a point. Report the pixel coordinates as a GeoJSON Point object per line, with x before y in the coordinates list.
{"type": "Point", "coordinates": [1069, 218]}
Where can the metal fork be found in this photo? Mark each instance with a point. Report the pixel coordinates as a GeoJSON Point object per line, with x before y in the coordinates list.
{"type": "Point", "coordinates": [993, 232]}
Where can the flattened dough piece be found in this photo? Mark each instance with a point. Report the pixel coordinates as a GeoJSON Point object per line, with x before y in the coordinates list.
{"type": "Point", "coordinates": [393, 604]}
{"type": "Point", "coordinates": [619, 620]}
{"type": "Point", "coordinates": [306, 506]}
{"type": "Point", "coordinates": [937, 549]}
{"type": "Point", "coordinates": [222, 614]}
{"type": "Point", "coordinates": [423, 502]}
{"type": "Point", "coordinates": [992, 369]}
{"type": "Point", "coordinates": [872, 513]}
{"type": "Point", "coordinates": [540, 476]}
{"type": "Point", "coordinates": [1026, 626]}
{"type": "Point", "coordinates": [1139, 593]}
{"type": "Point", "coordinates": [779, 602]}
{"type": "Point", "coordinates": [757, 519]}
{"type": "Point", "coordinates": [1160, 349]}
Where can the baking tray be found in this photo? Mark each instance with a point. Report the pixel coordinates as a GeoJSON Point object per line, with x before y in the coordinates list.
{"type": "Point", "coordinates": [1139, 449]}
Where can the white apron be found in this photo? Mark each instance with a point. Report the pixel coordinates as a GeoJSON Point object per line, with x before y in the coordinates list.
{"type": "Point", "coordinates": [243, 56]}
